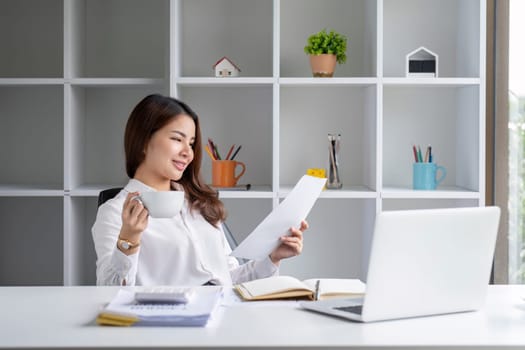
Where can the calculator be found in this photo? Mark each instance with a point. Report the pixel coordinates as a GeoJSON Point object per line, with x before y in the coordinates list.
{"type": "Point", "coordinates": [168, 295]}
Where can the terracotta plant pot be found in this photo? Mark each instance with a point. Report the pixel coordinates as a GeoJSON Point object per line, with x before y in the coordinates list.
{"type": "Point", "coordinates": [323, 66]}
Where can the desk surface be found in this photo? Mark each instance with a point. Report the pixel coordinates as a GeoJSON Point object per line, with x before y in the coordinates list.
{"type": "Point", "coordinates": [63, 317]}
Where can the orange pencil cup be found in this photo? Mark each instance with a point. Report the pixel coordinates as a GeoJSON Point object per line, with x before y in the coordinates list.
{"type": "Point", "coordinates": [223, 172]}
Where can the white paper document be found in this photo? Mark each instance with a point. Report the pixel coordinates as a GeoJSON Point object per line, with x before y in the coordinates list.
{"type": "Point", "coordinates": [294, 208]}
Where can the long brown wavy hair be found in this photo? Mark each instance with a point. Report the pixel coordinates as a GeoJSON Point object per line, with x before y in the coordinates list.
{"type": "Point", "coordinates": [152, 114]}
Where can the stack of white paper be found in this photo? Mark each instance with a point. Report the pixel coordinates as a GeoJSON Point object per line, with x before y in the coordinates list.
{"type": "Point", "coordinates": [124, 310]}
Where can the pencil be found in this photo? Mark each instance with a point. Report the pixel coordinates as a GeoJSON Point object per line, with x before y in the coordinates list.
{"type": "Point", "coordinates": [217, 152]}
{"type": "Point", "coordinates": [212, 148]}
{"type": "Point", "coordinates": [209, 152]}
{"type": "Point", "coordinates": [235, 153]}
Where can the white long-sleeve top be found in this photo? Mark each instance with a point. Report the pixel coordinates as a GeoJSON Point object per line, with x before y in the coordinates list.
{"type": "Point", "coordinates": [185, 250]}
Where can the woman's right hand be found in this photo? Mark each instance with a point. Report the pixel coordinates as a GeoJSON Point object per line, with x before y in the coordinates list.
{"type": "Point", "coordinates": [134, 218]}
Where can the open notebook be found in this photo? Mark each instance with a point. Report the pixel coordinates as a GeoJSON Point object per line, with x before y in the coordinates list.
{"type": "Point", "coordinates": [283, 287]}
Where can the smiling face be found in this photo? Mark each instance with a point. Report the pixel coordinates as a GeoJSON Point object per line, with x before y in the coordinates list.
{"type": "Point", "coordinates": [168, 153]}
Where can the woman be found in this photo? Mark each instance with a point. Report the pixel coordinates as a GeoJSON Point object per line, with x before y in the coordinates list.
{"type": "Point", "coordinates": [163, 147]}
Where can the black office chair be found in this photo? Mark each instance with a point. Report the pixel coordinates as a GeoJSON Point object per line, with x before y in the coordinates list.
{"type": "Point", "coordinates": [106, 195]}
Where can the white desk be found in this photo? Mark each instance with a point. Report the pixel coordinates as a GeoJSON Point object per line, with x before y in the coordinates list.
{"type": "Point", "coordinates": [62, 317]}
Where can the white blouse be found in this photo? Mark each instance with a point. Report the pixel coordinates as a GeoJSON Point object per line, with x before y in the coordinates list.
{"type": "Point", "coordinates": [185, 250]}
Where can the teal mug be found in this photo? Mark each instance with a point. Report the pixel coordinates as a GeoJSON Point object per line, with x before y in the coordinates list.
{"type": "Point", "coordinates": [425, 176]}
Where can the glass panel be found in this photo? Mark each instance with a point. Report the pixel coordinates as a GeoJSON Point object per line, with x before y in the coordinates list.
{"type": "Point", "coordinates": [516, 143]}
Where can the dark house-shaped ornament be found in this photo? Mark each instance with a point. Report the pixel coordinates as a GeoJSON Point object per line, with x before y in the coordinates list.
{"type": "Point", "coordinates": [422, 63]}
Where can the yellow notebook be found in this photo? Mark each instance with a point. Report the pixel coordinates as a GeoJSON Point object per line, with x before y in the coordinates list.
{"type": "Point", "coordinates": [110, 319]}
{"type": "Point", "coordinates": [283, 287]}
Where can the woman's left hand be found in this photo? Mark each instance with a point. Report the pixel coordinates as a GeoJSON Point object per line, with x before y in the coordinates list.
{"type": "Point", "coordinates": [290, 245]}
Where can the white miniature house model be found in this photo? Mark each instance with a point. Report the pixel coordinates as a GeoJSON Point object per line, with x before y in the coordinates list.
{"type": "Point", "coordinates": [422, 63]}
{"type": "Point", "coordinates": [226, 68]}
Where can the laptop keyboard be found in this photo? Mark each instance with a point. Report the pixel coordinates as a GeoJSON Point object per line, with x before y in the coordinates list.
{"type": "Point", "coordinates": [355, 309]}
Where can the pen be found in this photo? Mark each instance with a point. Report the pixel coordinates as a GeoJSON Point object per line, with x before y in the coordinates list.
{"type": "Point", "coordinates": [317, 285]}
{"type": "Point", "coordinates": [235, 153]}
{"type": "Point", "coordinates": [426, 155]}
{"type": "Point", "coordinates": [230, 152]}
{"type": "Point", "coordinates": [415, 153]}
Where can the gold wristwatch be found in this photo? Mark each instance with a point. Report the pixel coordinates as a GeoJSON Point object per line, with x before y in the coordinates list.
{"type": "Point", "coordinates": [125, 244]}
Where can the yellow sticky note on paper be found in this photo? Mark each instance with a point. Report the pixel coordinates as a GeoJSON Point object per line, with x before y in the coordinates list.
{"type": "Point", "coordinates": [317, 172]}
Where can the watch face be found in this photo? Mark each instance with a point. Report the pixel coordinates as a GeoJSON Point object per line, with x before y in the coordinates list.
{"type": "Point", "coordinates": [125, 245]}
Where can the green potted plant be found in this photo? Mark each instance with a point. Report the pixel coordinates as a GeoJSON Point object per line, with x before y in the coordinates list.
{"type": "Point", "coordinates": [325, 49]}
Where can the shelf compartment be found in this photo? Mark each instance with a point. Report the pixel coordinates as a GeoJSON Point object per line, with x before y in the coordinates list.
{"type": "Point", "coordinates": [357, 19]}
{"type": "Point", "coordinates": [114, 82]}
{"type": "Point", "coordinates": [80, 267]}
{"type": "Point", "coordinates": [428, 203]}
{"type": "Point", "coordinates": [447, 118]}
{"type": "Point", "coordinates": [259, 191]}
{"type": "Point", "coordinates": [422, 82]}
{"type": "Point", "coordinates": [118, 38]}
{"type": "Point", "coordinates": [12, 82]}
{"type": "Point", "coordinates": [96, 124]}
{"type": "Point", "coordinates": [442, 192]}
{"type": "Point", "coordinates": [244, 214]}
{"type": "Point", "coordinates": [30, 191]}
{"type": "Point", "coordinates": [349, 192]}
{"type": "Point", "coordinates": [32, 235]}
{"type": "Point", "coordinates": [308, 114]}
{"type": "Point", "coordinates": [328, 81]}
{"type": "Point", "coordinates": [93, 190]}
{"type": "Point", "coordinates": [235, 81]}
{"type": "Point", "coordinates": [32, 130]}
{"type": "Point", "coordinates": [345, 192]}
{"type": "Point", "coordinates": [449, 28]}
{"type": "Point", "coordinates": [31, 36]}
{"type": "Point", "coordinates": [240, 116]}
{"type": "Point", "coordinates": [242, 30]}
{"type": "Point", "coordinates": [339, 228]}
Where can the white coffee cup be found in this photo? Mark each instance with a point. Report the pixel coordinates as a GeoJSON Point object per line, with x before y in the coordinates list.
{"type": "Point", "coordinates": [162, 204]}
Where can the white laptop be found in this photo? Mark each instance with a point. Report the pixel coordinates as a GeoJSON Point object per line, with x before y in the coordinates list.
{"type": "Point", "coordinates": [423, 262]}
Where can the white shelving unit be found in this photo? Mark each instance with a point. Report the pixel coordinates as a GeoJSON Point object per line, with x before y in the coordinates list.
{"type": "Point", "coordinates": [72, 70]}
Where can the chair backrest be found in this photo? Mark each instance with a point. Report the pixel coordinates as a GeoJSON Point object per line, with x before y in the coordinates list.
{"type": "Point", "coordinates": [229, 236]}
{"type": "Point", "coordinates": [109, 193]}
{"type": "Point", "coordinates": [106, 195]}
